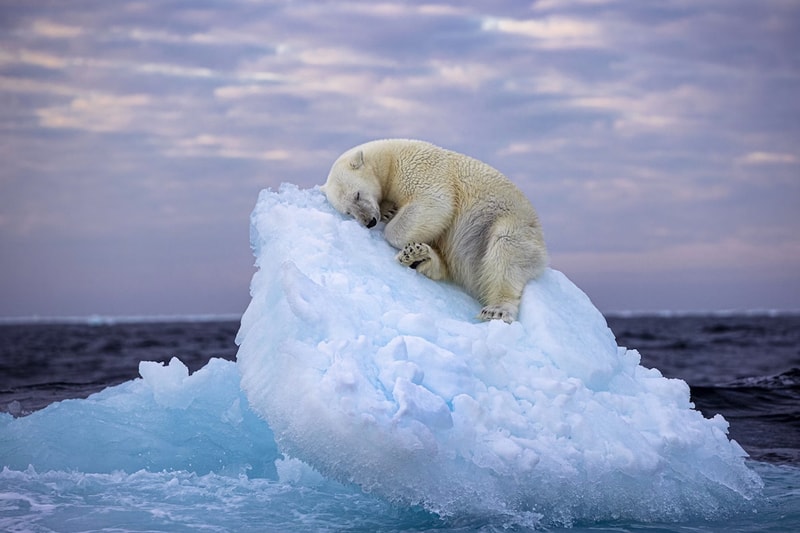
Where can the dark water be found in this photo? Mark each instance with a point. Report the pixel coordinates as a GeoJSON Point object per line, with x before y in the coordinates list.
{"type": "Point", "coordinates": [745, 367]}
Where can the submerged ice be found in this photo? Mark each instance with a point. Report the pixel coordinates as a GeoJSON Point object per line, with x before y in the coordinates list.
{"type": "Point", "coordinates": [378, 376]}
{"type": "Point", "coordinates": [384, 380]}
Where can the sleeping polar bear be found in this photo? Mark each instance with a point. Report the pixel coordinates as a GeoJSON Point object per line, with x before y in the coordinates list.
{"type": "Point", "coordinates": [451, 216]}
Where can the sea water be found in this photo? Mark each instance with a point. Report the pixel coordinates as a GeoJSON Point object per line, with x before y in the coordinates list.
{"type": "Point", "coordinates": [366, 397]}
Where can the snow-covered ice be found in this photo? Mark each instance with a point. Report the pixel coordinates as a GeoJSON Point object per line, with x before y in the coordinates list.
{"type": "Point", "coordinates": [354, 369]}
{"type": "Point", "coordinates": [376, 375]}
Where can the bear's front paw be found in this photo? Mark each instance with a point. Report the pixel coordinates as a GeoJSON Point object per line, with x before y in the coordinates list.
{"type": "Point", "coordinates": [388, 211]}
{"type": "Point", "coordinates": [498, 312]}
{"type": "Point", "coordinates": [414, 254]}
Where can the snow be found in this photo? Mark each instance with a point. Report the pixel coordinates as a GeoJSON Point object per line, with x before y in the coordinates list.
{"type": "Point", "coordinates": [355, 370]}
{"type": "Point", "coordinates": [375, 375]}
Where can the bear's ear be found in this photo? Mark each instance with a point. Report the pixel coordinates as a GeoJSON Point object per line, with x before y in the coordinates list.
{"type": "Point", "coordinates": [358, 160]}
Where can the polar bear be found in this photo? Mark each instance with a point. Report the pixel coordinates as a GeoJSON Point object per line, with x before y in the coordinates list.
{"type": "Point", "coordinates": [451, 216]}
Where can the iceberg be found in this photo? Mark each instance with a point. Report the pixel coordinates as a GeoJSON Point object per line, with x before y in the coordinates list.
{"type": "Point", "coordinates": [377, 376]}
{"type": "Point", "coordinates": [166, 421]}
{"type": "Point", "coordinates": [365, 395]}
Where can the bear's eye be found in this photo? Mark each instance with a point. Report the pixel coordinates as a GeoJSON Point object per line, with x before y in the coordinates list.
{"type": "Point", "coordinates": [358, 196]}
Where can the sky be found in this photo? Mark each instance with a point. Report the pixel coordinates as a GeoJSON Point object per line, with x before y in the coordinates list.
{"type": "Point", "coordinates": [658, 140]}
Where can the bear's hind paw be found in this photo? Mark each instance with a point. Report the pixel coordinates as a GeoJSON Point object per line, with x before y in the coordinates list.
{"type": "Point", "coordinates": [502, 312]}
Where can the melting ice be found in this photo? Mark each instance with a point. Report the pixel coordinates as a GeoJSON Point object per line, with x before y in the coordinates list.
{"type": "Point", "coordinates": [383, 380]}
{"type": "Point", "coordinates": [376, 375]}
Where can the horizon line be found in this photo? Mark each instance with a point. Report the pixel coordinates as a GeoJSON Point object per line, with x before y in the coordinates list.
{"type": "Point", "coordinates": [108, 320]}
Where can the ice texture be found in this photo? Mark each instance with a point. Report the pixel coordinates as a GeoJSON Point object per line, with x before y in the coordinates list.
{"type": "Point", "coordinates": [355, 369]}
{"type": "Point", "coordinates": [377, 376]}
{"type": "Point", "coordinates": [167, 420]}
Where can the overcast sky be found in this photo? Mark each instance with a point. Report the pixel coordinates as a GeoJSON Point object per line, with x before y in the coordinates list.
{"type": "Point", "coordinates": [659, 140]}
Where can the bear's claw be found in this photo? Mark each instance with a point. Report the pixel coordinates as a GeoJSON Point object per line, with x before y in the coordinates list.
{"type": "Point", "coordinates": [497, 312]}
{"type": "Point", "coordinates": [388, 211]}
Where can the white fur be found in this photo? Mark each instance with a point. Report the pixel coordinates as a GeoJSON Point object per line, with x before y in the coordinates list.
{"type": "Point", "coordinates": [451, 216]}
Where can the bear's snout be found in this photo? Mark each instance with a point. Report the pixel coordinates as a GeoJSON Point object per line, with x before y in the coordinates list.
{"type": "Point", "coordinates": [371, 223]}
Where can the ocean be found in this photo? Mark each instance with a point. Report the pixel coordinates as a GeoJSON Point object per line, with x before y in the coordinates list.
{"type": "Point", "coordinates": [745, 367]}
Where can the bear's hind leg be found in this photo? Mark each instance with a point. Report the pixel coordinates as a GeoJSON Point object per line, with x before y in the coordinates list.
{"type": "Point", "coordinates": [424, 259]}
{"type": "Point", "coordinates": [512, 259]}
{"type": "Point", "coordinates": [503, 283]}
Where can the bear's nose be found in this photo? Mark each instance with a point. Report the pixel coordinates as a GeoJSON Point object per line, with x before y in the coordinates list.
{"type": "Point", "coordinates": [372, 222]}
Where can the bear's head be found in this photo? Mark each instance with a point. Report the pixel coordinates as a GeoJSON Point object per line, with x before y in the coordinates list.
{"type": "Point", "coordinates": [353, 189]}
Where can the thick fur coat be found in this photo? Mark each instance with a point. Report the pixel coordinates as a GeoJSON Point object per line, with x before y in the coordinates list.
{"type": "Point", "coordinates": [451, 216]}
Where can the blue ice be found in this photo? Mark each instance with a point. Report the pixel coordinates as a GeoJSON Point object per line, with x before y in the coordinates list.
{"type": "Point", "coordinates": [364, 389]}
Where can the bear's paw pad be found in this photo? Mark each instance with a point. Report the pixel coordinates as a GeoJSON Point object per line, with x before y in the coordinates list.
{"type": "Point", "coordinates": [502, 312]}
{"type": "Point", "coordinates": [414, 254]}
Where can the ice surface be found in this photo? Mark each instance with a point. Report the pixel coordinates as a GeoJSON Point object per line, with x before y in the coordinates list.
{"type": "Point", "coordinates": [382, 379]}
{"type": "Point", "coordinates": [376, 375]}
{"type": "Point", "coordinates": [168, 420]}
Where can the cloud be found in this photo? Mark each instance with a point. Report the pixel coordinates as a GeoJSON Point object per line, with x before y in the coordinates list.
{"type": "Point", "coordinates": [550, 32]}
{"type": "Point", "coordinates": [768, 158]}
{"type": "Point", "coordinates": [392, 11]}
{"type": "Point", "coordinates": [95, 112]}
{"type": "Point", "coordinates": [227, 147]}
{"type": "Point", "coordinates": [729, 256]}
{"type": "Point", "coordinates": [54, 30]}
{"type": "Point", "coordinates": [637, 130]}
{"type": "Point", "coordinates": [16, 85]}
{"type": "Point", "coordinates": [32, 58]}
{"type": "Point", "coordinates": [546, 5]}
